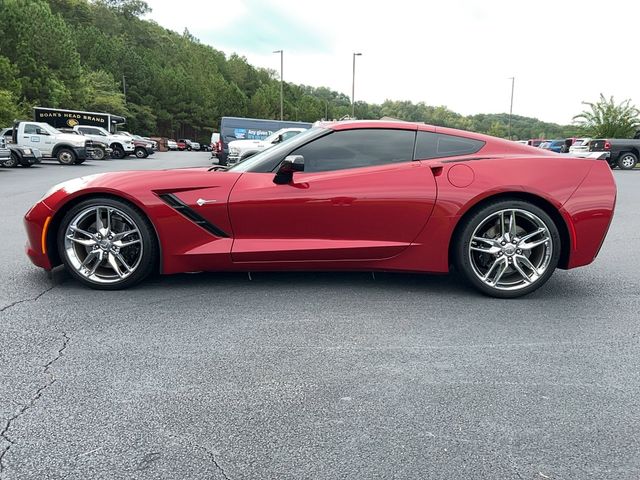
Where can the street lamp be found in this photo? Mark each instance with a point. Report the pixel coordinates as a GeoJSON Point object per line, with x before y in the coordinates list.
{"type": "Point", "coordinates": [281, 52]}
{"type": "Point", "coordinates": [353, 85]}
{"type": "Point", "coordinates": [513, 81]}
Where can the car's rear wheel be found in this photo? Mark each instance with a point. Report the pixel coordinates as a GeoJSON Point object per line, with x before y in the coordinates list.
{"type": "Point", "coordinates": [107, 244]}
{"type": "Point", "coordinates": [508, 248]}
{"type": "Point", "coordinates": [627, 161]}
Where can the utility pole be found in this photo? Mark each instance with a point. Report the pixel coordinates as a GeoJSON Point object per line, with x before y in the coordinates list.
{"type": "Point", "coordinates": [124, 88]}
{"type": "Point", "coordinates": [353, 85]}
{"type": "Point", "coordinates": [513, 81]}
{"type": "Point", "coordinates": [281, 52]}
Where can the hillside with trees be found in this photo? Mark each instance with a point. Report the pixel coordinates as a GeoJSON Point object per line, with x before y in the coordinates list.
{"type": "Point", "coordinates": [75, 54]}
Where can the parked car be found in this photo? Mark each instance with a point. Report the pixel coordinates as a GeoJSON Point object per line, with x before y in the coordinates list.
{"type": "Point", "coordinates": [535, 142]}
{"type": "Point", "coordinates": [241, 149]}
{"type": "Point", "coordinates": [185, 144]}
{"type": "Point", "coordinates": [552, 145]}
{"type": "Point", "coordinates": [238, 128]}
{"type": "Point", "coordinates": [216, 144]}
{"type": "Point", "coordinates": [120, 145]}
{"type": "Point", "coordinates": [389, 196]}
{"type": "Point", "coordinates": [143, 148]}
{"type": "Point", "coordinates": [580, 145]}
{"type": "Point", "coordinates": [172, 144]}
{"type": "Point", "coordinates": [5, 153]}
{"type": "Point", "coordinates": [100, 149]}
{"type": "Point", "coordinates": [68, 149]}
{"type": "Point", "coordinates": [621, 152]}
{"type": "Point", "coordinates": [195, 146]}
{"type": "Point", "coordinates": [23, 156]}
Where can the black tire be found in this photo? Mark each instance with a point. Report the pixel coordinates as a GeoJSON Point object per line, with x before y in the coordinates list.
{"type": "Point", "coordinates": [99, 154]}
{"type": "Point", "coordinates": [141, 152]}
{"type": "Point", "coordinates": [12, 161]}
{"type": "Point", "coordinates": [149, 245]}
{"type": "Point", "coordinates": [627, 161]}
{"type": "Point", "coordinates": [463, 254]}
{"type": "Point", "coordinates": [117, 152]}
{"type": "Point", "coordinates": [66, 156]}
{"type": "Point", "coordinates": [189, 148]}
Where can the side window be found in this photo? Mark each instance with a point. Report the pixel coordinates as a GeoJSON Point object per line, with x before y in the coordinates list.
{"type": "Point", "coordinates": [357, 148]}
{"type": "Point", "coordinates": [438, 145]}
{"type": "Point", "coordinates": [30, 129]}
{"type": "Point", "coordinates": [288, 135]}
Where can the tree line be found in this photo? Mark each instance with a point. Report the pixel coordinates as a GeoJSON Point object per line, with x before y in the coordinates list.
{"type": "Point", "coordinates": [77, 54]}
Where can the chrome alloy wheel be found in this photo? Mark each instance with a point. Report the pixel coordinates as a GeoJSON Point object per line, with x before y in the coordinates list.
{"type": "Point", "coordinates": [103, 244]}
{"type": "Point", "coordinates": [510, 249]}
{"type": "Point", "coordinates": [627, 161]}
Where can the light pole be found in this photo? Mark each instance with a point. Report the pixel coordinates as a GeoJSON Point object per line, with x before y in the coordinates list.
{"type": "Point", "coordinates": [513, 81]}
{"type": "Point", "coordinates": [281, 52]}
{"type": "Point", "coordinates": [124, 88]}
{"type": "Point", "coordinates": [353, 85]}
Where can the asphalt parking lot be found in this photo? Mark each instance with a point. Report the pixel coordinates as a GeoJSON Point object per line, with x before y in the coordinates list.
{"type": "Point", "coordinates": [316, 375]}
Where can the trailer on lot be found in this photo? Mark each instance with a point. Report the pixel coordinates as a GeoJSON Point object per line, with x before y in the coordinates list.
{"type": "Point", "coordinates": [59, 118]}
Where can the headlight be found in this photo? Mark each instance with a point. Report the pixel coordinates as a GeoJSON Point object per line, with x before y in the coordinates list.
{"type": "Point", "coordinates": [233, 151]}
{"type": "Point", "coordinates": [26, 151]}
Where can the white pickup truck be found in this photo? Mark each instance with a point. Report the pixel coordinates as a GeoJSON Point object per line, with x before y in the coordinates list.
{"type": "Point", "coordinates": [67, 148]}
{"type": "Point", "coordinates": [241, 149]}
{"type": "Point", "coordinates": [121, 145]}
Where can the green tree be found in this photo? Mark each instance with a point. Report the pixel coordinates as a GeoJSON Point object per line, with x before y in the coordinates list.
{"type": "Point", "coordinates": [606, 118]}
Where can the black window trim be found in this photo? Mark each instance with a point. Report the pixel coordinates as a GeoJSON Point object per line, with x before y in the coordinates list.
{"type": "Point", "coordinates": [435, 132]}
{"type": "Point", "coordinates": [331, 131]}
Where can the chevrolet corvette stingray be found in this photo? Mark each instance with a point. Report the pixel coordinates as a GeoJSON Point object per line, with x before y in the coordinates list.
{"type": "Point", "coordinates": [355, 195]}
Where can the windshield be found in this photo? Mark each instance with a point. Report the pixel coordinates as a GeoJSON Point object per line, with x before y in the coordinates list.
{"type": "Point", "coordinates": [277, 152]}
{"type": "Point", "coordinates": [50, 129]}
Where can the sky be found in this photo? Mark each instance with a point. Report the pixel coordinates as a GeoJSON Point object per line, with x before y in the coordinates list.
{"type": "Point", "coordinates": [456, 53]}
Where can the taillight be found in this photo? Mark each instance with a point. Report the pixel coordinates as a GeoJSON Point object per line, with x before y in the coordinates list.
{"type": "Point", "coordinates": [607, 145]}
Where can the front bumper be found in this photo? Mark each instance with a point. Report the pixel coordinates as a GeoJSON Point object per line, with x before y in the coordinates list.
{"type": "Point", "coordinates": [27, 160]}
{"type": "Point", "coordinates": [82, 153]}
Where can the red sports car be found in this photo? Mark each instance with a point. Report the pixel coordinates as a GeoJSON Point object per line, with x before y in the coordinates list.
{"type": "Point", "coordinates": [362, 195]}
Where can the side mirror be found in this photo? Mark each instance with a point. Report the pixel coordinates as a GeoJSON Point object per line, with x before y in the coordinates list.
{"type": "Point", "coordinates": [277, 140]}
{"type": "Point", "coordinates": [41, 131]}
{"type": "Point", "coordinates": [290, 165]}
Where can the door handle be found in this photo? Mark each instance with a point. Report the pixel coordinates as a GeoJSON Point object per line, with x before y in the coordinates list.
{"type": "Point", "coordinates": [202, 201]}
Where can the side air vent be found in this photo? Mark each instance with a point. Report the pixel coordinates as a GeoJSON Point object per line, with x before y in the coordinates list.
{"type": "Point", "coordinates": [184, 209]}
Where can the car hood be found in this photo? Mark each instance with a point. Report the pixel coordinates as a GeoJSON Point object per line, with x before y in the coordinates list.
{"type": "Point", "coordinates": [242, 144]}
{"type": "Point", "coordinates": [71, 138]}
{"type": "Point", "coordinates": [141, 187]}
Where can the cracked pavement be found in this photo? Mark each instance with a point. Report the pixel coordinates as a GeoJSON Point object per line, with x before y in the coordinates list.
{"type": "Point", "coordinates": [319, 375]}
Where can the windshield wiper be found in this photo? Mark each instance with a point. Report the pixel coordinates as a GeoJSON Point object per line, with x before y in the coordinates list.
{"type": "Point", "coordinates": [218, 167]}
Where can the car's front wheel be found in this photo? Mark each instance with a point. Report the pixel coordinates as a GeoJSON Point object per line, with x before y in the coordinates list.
{"type": "Point", "coordinates": [141, 152]}
{"type": "Point", "coordinates": [508, 248]}
{"type": "Point", "coordinates": [107, 244]}
{"type": "Point", "coordinates": [66, 156]}
{"type": "Point", "coordinates": [99, 154]}
{"type": "Point", "coordinates": [11, 162]}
